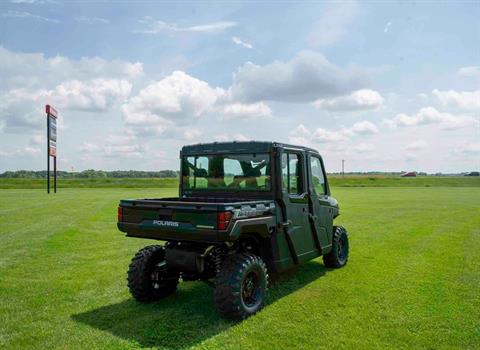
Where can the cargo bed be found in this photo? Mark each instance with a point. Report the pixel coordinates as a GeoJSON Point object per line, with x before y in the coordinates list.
{"type": "Point", "coordinates": [192, 219]}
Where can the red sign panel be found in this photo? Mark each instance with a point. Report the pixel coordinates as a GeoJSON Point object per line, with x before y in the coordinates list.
{"type": "Point", "coordinates": [52, 149]}
{"type": "Point", "coordinates": [52, 112]}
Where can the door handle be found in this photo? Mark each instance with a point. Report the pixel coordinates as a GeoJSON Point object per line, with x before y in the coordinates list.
{"type": "Point", "coordinates": [286, 223]}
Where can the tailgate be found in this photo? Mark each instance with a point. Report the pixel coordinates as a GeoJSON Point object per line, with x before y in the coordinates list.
{"type": "Point", "coordinates": [169, 220]}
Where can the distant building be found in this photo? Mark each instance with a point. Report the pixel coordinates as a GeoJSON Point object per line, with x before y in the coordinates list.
{"type": "Point", "coordinates": [473, 173]}
{"type": "Point", "coordinates": [410, 174]}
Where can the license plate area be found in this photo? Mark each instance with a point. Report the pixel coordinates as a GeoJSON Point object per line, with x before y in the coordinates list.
{"type": "Point", "coordinates": [165, 214]}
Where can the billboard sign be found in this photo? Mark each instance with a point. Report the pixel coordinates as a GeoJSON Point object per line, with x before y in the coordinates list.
{"type": "Point", "coordinates": [52, 116]}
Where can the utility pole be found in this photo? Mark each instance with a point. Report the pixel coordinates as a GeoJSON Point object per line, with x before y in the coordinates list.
{"type": "Point", "coordinates": [343, 168]}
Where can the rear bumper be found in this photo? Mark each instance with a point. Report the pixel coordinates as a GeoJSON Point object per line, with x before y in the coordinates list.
{"type": "Point", "coordinates": [143, 230]}
{"type": "Point", "coordinates": [187, 232]}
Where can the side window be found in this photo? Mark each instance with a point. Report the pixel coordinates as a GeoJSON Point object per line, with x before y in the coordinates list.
{"type": "Point", "coordinates": [197, 178]}
{"type": "Point", "coordinates": [318, 179]}
{"type": "Point", "coordinates": [291, 173]}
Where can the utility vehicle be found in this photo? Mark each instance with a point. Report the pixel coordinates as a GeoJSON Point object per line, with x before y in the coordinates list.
{"type": "Point", "coordinates": [244, 210]}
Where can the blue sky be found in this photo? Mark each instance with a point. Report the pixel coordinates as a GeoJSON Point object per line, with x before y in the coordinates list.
{"type": "Point", "coordinates": [385, 85]}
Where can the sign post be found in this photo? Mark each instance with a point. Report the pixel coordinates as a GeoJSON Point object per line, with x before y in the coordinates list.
{"type": "Point", "coordinates": [52, 115]}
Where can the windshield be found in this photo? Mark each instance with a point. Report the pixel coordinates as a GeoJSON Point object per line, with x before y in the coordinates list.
{"type": "Point", "coordinates": [226, 172]}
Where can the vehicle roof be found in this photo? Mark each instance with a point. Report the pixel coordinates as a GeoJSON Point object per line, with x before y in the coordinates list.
{"type": "Point", "coordinates": [240, 147]}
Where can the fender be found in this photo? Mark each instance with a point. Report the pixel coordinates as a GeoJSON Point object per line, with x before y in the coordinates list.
{"type": "Point", "coordinates": [264, 226]}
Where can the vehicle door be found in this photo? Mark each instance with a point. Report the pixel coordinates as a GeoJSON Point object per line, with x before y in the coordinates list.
{"type": "Point", "coordinates": [321, 211]}
{"type": "Point", "coordinates": [296, 204]}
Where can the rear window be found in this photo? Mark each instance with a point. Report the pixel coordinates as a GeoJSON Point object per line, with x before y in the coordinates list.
{"type": "Point", "coordinates": [228, 172]}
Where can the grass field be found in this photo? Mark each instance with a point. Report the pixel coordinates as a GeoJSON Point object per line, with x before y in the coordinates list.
{"type": "Point", "coordinates": [338, 181]}
{"type": "Point", "coordinates": [413, 279]}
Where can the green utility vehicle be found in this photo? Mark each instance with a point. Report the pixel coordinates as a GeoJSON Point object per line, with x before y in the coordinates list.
{"type": "Point", "coordinates": [245, 209]}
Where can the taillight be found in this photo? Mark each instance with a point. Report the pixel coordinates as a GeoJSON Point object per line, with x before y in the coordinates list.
{"type": "Point", "coordinates": [223, 219]}
{"type": "Point", "coordinates": [120, 214]}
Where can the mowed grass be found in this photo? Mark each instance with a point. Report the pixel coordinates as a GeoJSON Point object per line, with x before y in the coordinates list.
{"type": "Point", "coordinates": [413, 279]}
{"type": "Point", "coordinates": [334, 180]}
{"type": "Point", "coordinates": [19, 183]}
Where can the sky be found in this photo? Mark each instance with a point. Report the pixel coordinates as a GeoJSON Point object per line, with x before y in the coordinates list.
{"type": "Point", "coordinates": [386, 86]}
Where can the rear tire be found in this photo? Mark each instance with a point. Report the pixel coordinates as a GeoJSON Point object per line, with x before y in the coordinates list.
{"type": "Point", "coordinates": [338, 256]}
{"type": "Point", "coordinates": [149, 278]}
{"type": "Point", "coordinates": [241, 286]}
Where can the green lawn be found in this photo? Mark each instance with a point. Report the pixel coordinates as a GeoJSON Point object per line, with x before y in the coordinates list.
{"type": "Point", "coordinates": [336, 181]}
{"type": "Point", "coordinates": [413, 279]}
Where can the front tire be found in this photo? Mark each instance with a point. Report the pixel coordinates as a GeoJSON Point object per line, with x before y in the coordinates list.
{"type": "Point", "coordinates": [149, 278]}
{"type": "Point", "coordinates": [241, 286]}
{"type": "Point", "coordinates": [338, 256]}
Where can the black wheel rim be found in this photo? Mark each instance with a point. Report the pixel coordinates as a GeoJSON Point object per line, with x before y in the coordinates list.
{"type": "Point", "coordinates": [159, 275]}
{"type": "Point", "coordinates": [251, 289]}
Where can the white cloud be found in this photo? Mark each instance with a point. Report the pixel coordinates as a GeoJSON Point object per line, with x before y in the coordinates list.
{"type": "Point", "coordinates": [125, 150]}
{"type": "Point", "coordinates": [92, 20]}
{"type": "Point", "coordinates": [358, 100]}
{"type": "Point", "coordinates": [37, 140]}
{"type": "Point", "coordinates": [156, 27]}
{"type": "Point", "coordinates": [177, 97]}
{"type": "Point", "coordinates": [410, 157]}
{"type": "Point", "coordinates": [324, 135]}
{"type": "Point", "coordinates": [29, 16]}
{"type": "Point", "coordinates": [34, 70]}
{"type": "Point", "coordinates": [121, 145]}
{"type": "Point", "coordinates": [422, 97]}
{"type": "Point", "coordinates": [228, 137]}
{"type": "Point", "coordinates": [302, 135]}
{"type": "Point", "coordinates": [363, 128]}
{"type": "Point", "coordinates": [468, 148]}
{"type": "Point", "coordinates": [387, 27]}
{"type": "Point", "coordinates": [307, 77]}
{"type": "Point", "coordinates": [19, 116]}
{"type": "Point", "coordinates": [89, 147]}
{"type": "Point", "coordinates": [27, 151]}
{"type": "Point", "coordinates": [240, 42]}
{"type": "Point", "coordinates": [333, 23]}
{"type": "Point", "coordinates": [364, 147]}
{"type": "Point", "coordinates": [466, 100]}
{"type": "Point", "coordinates": [429, 115]}
{"type": "Point", "coordinates": [242, 110]}
{"type": "Point", "coordinates": [93, 95]}
{"type": "Point", "coordinates": [240, 137]}
{"type": "Point", "coordinates": [30, 80]}
{"type": "Point", "coordinates": [416, 145]}
{"type": "Point", "coordinates": [37, 2]}
{"type": "Point", "coordinates": [191, 134]}
{"type": "Point", "coordinates": [469, 72]}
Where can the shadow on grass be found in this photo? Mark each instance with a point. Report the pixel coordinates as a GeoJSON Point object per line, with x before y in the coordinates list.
{"type": "Point", "coordinates": [186, 318]}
